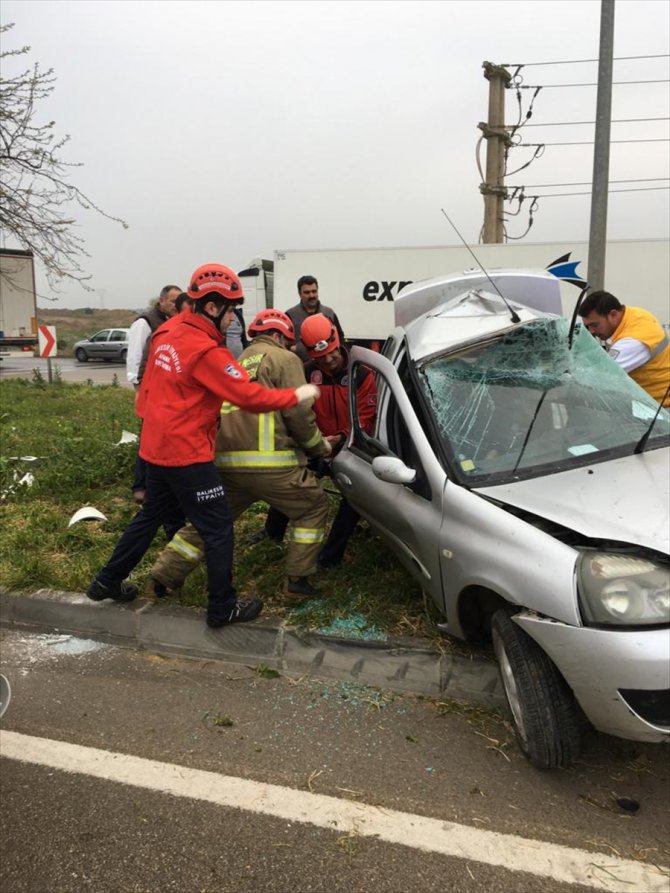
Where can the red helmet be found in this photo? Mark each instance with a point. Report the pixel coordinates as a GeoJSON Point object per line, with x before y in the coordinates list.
{"type": "Point", "coordinates": [272, 321]}
{"type": "Point", "coordinates": [215, 280]}
{"type": "Point", "coordinates": [319, 335]}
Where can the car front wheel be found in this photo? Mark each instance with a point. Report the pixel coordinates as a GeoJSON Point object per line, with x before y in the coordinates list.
{"type": "Point", "coordinates": [81, 355]}
{"type": "Point", "coordinates": [124, 356]}
{"type": "Point", "coordinates": [543, 707]}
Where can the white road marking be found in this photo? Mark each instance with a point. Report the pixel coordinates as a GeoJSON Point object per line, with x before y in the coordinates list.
{"type": "Point", "coordinates": [560, 863]}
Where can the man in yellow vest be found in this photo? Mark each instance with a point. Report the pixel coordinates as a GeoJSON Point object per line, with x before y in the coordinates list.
{"type": "Point", "coordinates": [635, 340]}
{"type": "Point", "coordinates": [264, 457]}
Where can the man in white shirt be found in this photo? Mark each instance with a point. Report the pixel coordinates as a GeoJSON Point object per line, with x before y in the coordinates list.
{"type": "Point", "coordinates": [144, 325]}
{"type": "Point", "coordinates": [140, 332]}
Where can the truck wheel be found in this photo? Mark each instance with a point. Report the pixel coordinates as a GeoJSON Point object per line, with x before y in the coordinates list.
{"type": "Point", "coordinates": [81, 355]}
{"type": "Point", "coordinates": [543, 708]}
{"type": "Point", "coordinates": [124, 356]}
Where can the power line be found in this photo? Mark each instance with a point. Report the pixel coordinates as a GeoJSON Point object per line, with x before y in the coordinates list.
{"type": "Point", "coordinates": [579, 61]}
{"type": "Point", "coordinates": [611, 192]}
{"type": "Point", "coordinates": [594, 84]}
{"type": "Point", "coordinates": [575, 123]}
{"type": "Point", "coordinates": [588, 183]}
{"type": "Point", "coordinates": [588, 143]}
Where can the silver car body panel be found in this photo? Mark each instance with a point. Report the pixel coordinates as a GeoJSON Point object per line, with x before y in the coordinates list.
{"type": "Point", "coordinates": [411, 520]}
{"type": "Point", "coordinates": [606, 500]}
{"type": "Point", "coordinates": [483, 545]}
{"type": "Point", "coordinates": [536, 289]}
{"type": "Point", "coordinates": [597, 663]}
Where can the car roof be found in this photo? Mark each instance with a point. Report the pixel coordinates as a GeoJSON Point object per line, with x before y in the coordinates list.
{"type": "Point", "coordinates": [442, 313]}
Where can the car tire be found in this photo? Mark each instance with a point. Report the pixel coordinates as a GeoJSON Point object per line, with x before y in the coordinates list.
{"type": "Point", "coordinates": [124, 356]}
{"type": "Point", "coordinates": [81, 355]}
{"type": "Point", "coordinates": [543, 708]}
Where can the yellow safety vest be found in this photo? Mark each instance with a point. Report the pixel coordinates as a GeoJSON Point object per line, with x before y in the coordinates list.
{"type": "Point", "coordinates": [653, 376]}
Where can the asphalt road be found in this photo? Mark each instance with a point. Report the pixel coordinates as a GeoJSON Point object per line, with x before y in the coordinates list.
{"type": "Point", "coordinates": [211, 726]}
{"type": "Point", "coordinates": [97, 371]}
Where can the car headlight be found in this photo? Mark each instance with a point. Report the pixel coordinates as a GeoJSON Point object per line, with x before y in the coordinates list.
{"type": "Point", "coordinates": [623, 590]}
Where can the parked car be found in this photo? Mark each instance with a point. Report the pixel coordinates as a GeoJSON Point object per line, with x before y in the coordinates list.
{"type": "Point", "coordinates": [108, 344]}
{"type": "Point", "coordinates": [523, 479]}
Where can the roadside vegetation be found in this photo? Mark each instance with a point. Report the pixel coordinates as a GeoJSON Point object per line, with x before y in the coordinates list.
{"type": "Point", "coordinates": [73, 430]}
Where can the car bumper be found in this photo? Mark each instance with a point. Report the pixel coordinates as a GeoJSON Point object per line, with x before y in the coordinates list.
{"type": "Point", "coordinates": [621, 678]}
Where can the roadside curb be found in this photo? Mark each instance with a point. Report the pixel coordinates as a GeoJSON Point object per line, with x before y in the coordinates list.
{"type": "Point", "coordinates": [403, 665]}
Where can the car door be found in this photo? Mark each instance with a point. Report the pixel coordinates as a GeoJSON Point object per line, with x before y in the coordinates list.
{"type": "Point", "coordinates": [407, 515]}
{"type": "Point", "coordinates": [98, 346]}
{"type": "Point", "coordinates": [118, 342]}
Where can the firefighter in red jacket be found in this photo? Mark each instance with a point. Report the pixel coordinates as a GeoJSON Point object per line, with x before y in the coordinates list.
{"type": "Point", "coordinates": [264, 457]}
{"type": "Point", "coordinates": [189, 374]}
{"type": "Point", "coordinates": [328, 369]}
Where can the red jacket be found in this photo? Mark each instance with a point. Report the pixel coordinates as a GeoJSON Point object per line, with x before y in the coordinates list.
{"type": "Point", "coordinates": [189, 373]}
{"type": "Point", "coordinates": [332, 407]}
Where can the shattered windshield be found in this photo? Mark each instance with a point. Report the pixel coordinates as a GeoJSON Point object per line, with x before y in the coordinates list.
{"type": "Point", "coordinates": [525, 405]}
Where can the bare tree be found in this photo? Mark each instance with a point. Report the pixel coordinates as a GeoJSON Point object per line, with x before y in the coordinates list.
{"type": "Point", "coordinates": [36, 197]}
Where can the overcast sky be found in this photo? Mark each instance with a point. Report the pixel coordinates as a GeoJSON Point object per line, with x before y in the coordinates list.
{"type": "Point", "coordinates": [226, 130]}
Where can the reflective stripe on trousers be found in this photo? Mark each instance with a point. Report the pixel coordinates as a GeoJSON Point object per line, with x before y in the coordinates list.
{"type": "Point", "coordinates": [186, 550]}
{"type": "Point", "coordinates": [307, 535]}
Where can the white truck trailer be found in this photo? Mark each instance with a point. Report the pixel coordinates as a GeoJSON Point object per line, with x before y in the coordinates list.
{"type": "Point", "coordinates": [362, 283]}
{"type": "Point", "coordinates": [18, 303]}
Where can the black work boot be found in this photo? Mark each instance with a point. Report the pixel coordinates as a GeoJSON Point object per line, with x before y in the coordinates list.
{"type": "Point", "coordinates": [119, 592]}
{"type": "Point", "coordinates": [244, 611]}
{"type": "Point", "coordinates": [160, 590]}
{"type": "Point", "coordinates": [300, 589]}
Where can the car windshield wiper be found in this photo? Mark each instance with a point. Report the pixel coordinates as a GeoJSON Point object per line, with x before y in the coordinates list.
{"type": "Point", "coordinates": [530, 428]}
{"type": "Point", "coordinates": [642, 442]}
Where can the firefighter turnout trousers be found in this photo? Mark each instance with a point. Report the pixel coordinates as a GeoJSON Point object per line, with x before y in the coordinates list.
{"type": "Point", "coordinates": [295, 491]}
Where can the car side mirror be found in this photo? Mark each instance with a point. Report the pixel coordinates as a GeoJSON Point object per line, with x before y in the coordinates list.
{"type": "Point", "coordinates": [392, 470]}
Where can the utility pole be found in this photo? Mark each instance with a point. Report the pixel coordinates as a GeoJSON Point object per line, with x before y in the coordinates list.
{"type": "Point", "coordinates": [601, 150]}
{"type": "Point", "coordinates": [493, 189]}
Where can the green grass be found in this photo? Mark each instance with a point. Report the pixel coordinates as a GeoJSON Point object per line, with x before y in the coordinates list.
{"type": "Point", "coordinates": [72, 428]}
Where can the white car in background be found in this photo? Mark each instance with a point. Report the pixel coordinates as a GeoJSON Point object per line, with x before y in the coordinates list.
{"type": "Point", "coordinates": [523, 478]}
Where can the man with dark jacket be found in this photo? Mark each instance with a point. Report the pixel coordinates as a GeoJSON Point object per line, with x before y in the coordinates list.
{"type": "Point", "coordinates": [309, 304]}
{"type": "Point", "coordinates": [189, 373]}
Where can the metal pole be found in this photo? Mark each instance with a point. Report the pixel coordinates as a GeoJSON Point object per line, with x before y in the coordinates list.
{"type": "Point", "coordinates": [496, 138]}
{"type": "Point", "coordinates": [50, 377]}
{"type": "Point", "coordinates": [601, 150]}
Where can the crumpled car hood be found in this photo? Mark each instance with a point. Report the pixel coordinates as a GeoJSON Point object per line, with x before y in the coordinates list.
{"type": "Point", "coordinates": [625, 499]}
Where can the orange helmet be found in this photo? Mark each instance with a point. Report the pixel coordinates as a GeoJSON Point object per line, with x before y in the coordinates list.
{"type": "Point", "coordinates": [319, 335]}
{"type": "Point", "coordinates": [272, 321]}
{"type": "Point", "coordinates": [215, 280]}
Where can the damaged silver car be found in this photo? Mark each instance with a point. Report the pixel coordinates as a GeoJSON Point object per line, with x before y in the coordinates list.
{"type": "Point", "coordinates": [523, 478]}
